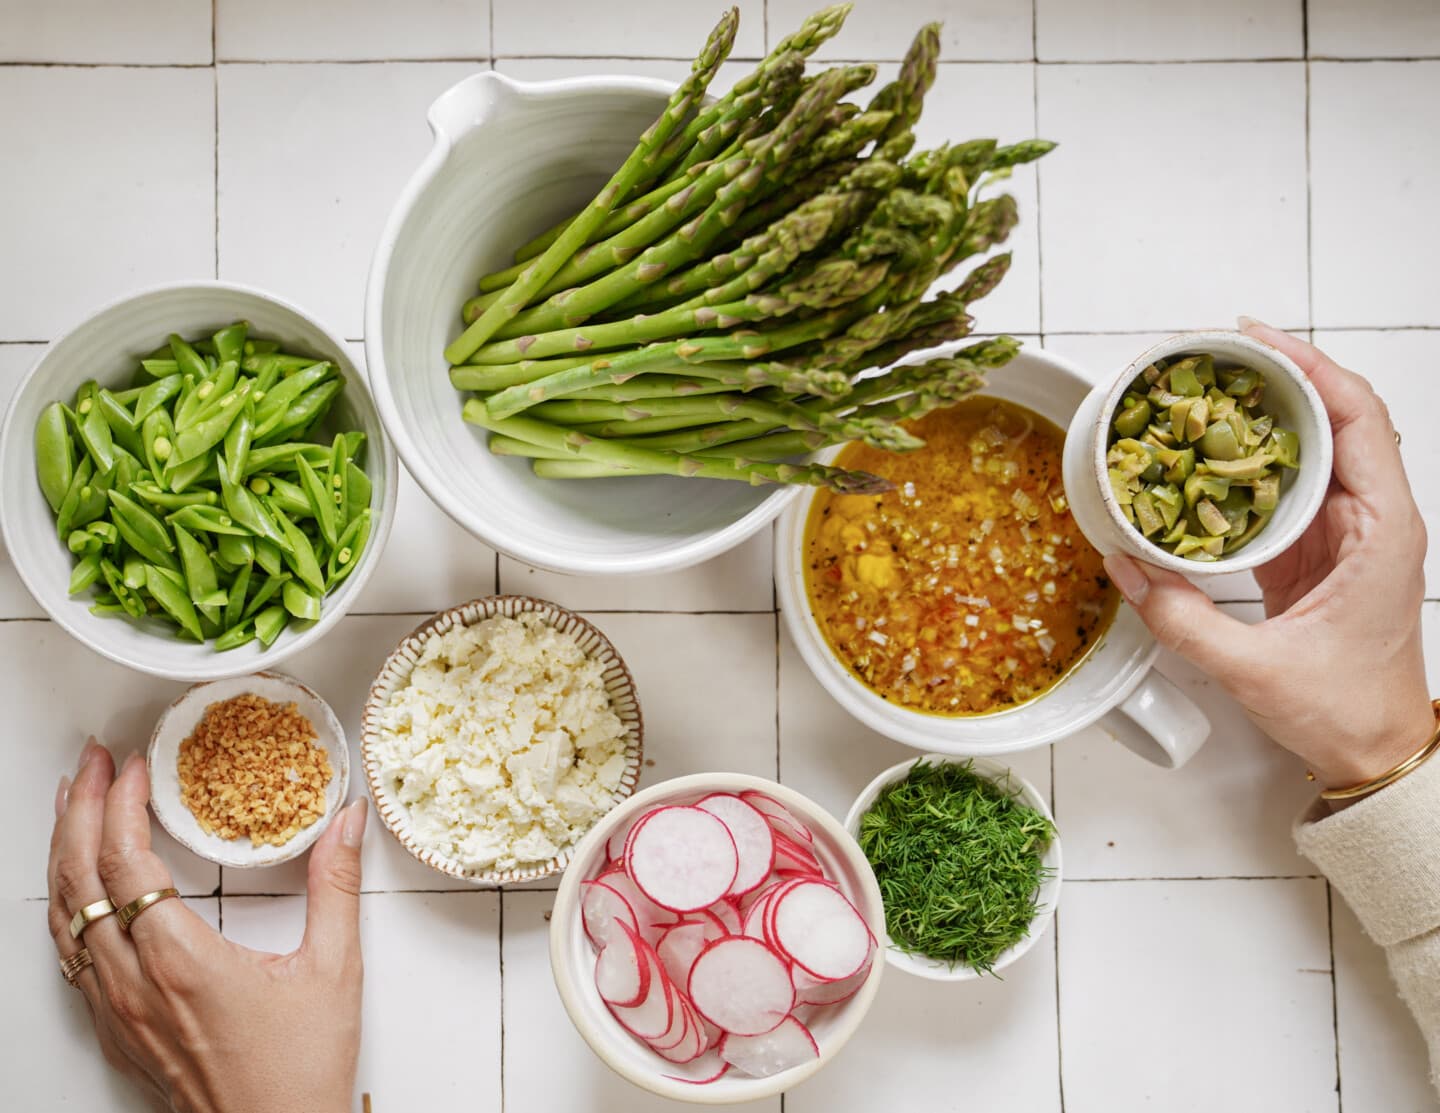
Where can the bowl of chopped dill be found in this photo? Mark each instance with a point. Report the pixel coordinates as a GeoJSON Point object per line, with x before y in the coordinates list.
{"type": "Point", "coordinates": [967, 857]}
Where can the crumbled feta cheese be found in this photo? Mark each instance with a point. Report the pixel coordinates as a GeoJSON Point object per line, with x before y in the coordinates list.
{"type": "Point", "coordinates": [503, 746]}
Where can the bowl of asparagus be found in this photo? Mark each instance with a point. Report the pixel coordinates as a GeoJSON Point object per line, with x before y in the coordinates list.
{"type": "Point", "coordinates": [614, 325]}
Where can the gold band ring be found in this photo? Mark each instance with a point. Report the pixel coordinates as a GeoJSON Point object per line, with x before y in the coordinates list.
{"type": "Point", "coordinates": [127, 915]}
{"type": "Point", "coordinates": [96, 910]}
{"type": "Point", "coordinates": [71, 967]}
{"type": "Point", "coordinates": [1397, 436]}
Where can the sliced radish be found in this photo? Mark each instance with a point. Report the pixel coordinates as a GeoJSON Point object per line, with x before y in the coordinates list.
{"type": "Point", "coordinates": [681, 1026]}
{"type": "Point", "coordinates": [715, 927]}
{"type": "Point", "coordinates": [810, 990]}
{"type": "Point", "coordinates": [793, 857]}
{"type": "Point", "coordinates": [615, 844]}
{"type": "Point", "coordinates": [650, 1017]}
{"type": "Point", "coordinates": [707, 1068]}
{"type": "Point", "coordinates": [622, 973]}
{"type": "Point", "coordinates": [741, 985]}
{"type": "Point", "coordinates": [678, 949]}
{"type": "Point", "coordinates": [813, 923]}
{"type": "Point", "coordinates": [682, 858]}
{"type": "Point", "coordinates": [779, 815]}
{"type": "Point", "coordinates": [691, 1047]}
{"type": "Point", "coordinates": [755, 923]}
{"type": "Point", "coordinates": [650, 917]}
{"type": "Point", "coordinates": [754, 839]}
{"type": "Point", "coordinates": [789, 1045]}
{"type": "Point", "coordinates": [726, 912]}
{"type": "Point", "coordinates": [600, 909]}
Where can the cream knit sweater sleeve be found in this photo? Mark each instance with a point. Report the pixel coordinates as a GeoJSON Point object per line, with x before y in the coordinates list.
{"type": "Point", "coordinates": [1383, 855]}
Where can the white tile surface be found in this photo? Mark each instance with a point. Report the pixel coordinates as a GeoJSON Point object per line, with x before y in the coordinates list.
{"type": "Point", "coordinates": [1145, 226]}
{"type": "Point", "coordinates": [1196, 996]}
{"type": "Point", "coordinates": [1374, 28]}
{"type": "Point", "coordinates": [312, 157]}
{"type": "Point", "coordinates": [1378, 115]}
{"type": "Point", "coordinates": [1404, 368]}
{"type": "Point", "coordinates": [351, 30]}
{"type": "Point", "coordinates": [48, 727]}
{"type": "Point", "coordinates": [830, 756]}
{"type": "Point", "coordinates": [739, 580]}
{"type": "Point", "coordinates": [548, 1066]}
{"type": "Point", "coordinates": [707, 689]}
{"type": "Point", "coordinates": [430, 1025]}
{"type": "Point", "coordinates": [172, 32]}
{"type": "Point", "coordinates": [1383, 1062]}
{"type": "Point", "coordinates": [1123, 30]}
{"type": "Point", "coordinates": [636, 29]}
{"type": "Point", "coordinates": [51, 1058]}
{"type": "Point", "coordinates": [665, 69]}
{"type": "Point", "coordinates": [991, 1045]}
{"type": "Point", "coordinates": [981, 30]}
{"type": "Point", "coordinates": [1123, 817]}
{"type": "Point", "coordinates": [103, 207]}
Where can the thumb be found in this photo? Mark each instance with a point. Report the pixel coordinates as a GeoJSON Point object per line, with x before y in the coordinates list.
{"type": "Point", "coordinates": [332, 912]}
{"type": "Point", "coordinates": [1183, 618]}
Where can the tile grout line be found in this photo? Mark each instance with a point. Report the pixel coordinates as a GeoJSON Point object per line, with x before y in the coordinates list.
{"type": "Point", "coordinates": [491, 13]}
{"type": "Point", "coordinates": [1309, 178]}
{"type": "Point", "coordinates": [1334, 995]}
{"type": "Point", "coordinates": [500, 941]}
{"type": "Point", "coordinates": [1035, 130]}
{"type": "Point", "coordinates": [215, 95]}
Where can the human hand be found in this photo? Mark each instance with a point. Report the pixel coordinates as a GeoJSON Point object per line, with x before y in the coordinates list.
{"type": "Point", "coordinates": [201, 1023]}
{"type": "Point", "coordinates": [1335, 673]}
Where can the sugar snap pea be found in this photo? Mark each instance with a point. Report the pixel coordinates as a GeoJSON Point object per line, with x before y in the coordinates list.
{"type": "Point", "coordinates": [194, 497]}
{"type": "Point", "coordinates": [1194, 463]}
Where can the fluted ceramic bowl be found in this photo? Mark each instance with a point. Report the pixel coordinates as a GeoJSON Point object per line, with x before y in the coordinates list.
{"type": "Point", "coordinates": [106, 347]}
{"type": "Point", "coordinates": [510, 159]}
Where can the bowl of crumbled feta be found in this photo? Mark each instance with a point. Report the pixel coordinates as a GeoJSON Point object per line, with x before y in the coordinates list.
{"type": "Point", "coordinates": [497, 734]}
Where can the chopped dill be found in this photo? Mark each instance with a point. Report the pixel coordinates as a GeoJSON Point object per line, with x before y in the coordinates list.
{"type": "Point", "coordinates": [958, 859]}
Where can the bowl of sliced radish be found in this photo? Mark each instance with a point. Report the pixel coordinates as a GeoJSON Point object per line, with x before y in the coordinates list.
{"type": "Point", "coordinates": [715, 938]}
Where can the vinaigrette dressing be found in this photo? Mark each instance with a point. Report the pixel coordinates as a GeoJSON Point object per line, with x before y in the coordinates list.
{"type": "Point", "coordinates": [968, 589]}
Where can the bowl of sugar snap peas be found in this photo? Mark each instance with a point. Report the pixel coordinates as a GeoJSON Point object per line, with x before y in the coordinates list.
{"type": "Point", "coordinates": [194, 481]}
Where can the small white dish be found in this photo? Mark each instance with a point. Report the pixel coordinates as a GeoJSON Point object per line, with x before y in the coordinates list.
{"type": "Point", "coordinates": [1049, 895]}
{"type": "Point", "coordinates": [572, 957]}
{"type": "Point", "coordinates": [1289, 397]}
{"type": "Point", "coordinates": [106, 346]}
{"type": "Point", "coordinates": [179, 722]}
{"type": "Point", "coordinates": [1114, 685]}
{"type": "Point", "coordinates": [395, 675]}
{"type": "Point", "coordinates": [509, 159]}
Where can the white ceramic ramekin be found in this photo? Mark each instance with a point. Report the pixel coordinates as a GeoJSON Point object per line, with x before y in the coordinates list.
{"type": "Point", "coordinates": [1114, 684]}
{"type": "Point", "coordinates": [1049, 895]}
{"type": "Point", "coordinates": [1288, 396]}
{"type": "Point", "coordinates": [106, 347]}
{"type": "Point", "coordinates": [509, 159]}
{"type": "Point", "coordinates": [572, 958]}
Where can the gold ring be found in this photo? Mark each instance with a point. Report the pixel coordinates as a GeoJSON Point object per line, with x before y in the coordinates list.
{"type": "Point", "coordinates": [127, 915]}
{"type": "Point", "coordinates": [96, 910]}
{"type": "Point", "coordinates": [1397, 436]}
{"type": "Point", "coordinates": [71, 967]}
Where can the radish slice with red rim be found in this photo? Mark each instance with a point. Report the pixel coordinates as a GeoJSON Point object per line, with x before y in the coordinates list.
{"type": "Point", "coordinates": [682, 858]}
{"type": "Point", "coordinates": [789, 1045]}
{"type": "Point", "coordinates": [622, 973]}
{"type": "Point", "coordinates": [810, 990]}
{"type": "Point", "coordinates": [650, 1017]}
{"type": "Point", "coordinates": [778, 814]}
{"type": "Point", "coordinates": [715, 927]}
{"type": "Point", "coordinates": [741, 985]}
{"type": "Point", "coordinates": [815, 925]}
{"type": "Point", "coordinates": [678, 949]}
{"type": "Point", "coordinates": [615, 844]}
{"type": "Point", "coordinates": [600, 909]}
{"type": "Point", "coordinates": [680, 1034]}
{"type": "Point", "coordinates": [650, 918]}
{"type": "Point", "coordinates": [709, 1067]}
{"type": "Point", "coordinates": [726, 912]}
{"type": "Point", "coordinates": [754, 839]}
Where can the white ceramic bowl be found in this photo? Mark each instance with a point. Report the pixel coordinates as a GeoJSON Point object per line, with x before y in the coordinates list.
{"type": "Point", "coordinates": [572, 958]}
{"type": "Point", "coordinates": [1049, 895]}
{"type": "Point", "coordinates": [395, 675]}
{"type": "Point", "coordinates": [105, 346]}
{"type": "Point", "coordinates": [1288, 396]}
{"type": "Point", "coordinates": [509, 159]}
{"type": "Point", "coordinates": [179, 722]}
{"type": "Point", "coordinates": [1114, 683]}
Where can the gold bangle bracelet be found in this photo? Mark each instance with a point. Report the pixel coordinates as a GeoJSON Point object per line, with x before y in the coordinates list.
{"type": "Point", "coordinates": [1409, 765]}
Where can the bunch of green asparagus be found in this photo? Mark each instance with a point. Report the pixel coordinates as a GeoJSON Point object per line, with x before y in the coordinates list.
{"type": "Point", "coordinates": [719, 309]}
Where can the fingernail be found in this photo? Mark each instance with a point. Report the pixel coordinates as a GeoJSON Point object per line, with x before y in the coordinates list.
{"type": "Point", "coordinates": [1128, 577]}
{"type": "Point", "coordinates": [130, 759]}
{"type": "Point", "coordinates": [352, 833]}
{"type": "Point", "coordinates": [1245, 324]}
{"type": "Point", "coordinates": [89, 748]}
{"type": "Point", "coordinates": [62, 797]}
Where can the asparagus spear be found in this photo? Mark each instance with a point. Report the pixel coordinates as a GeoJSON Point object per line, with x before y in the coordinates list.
{"type": "Point", "coordinates": [665, 463]}
{"type": "Point", "coordinates": [639, 165]}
